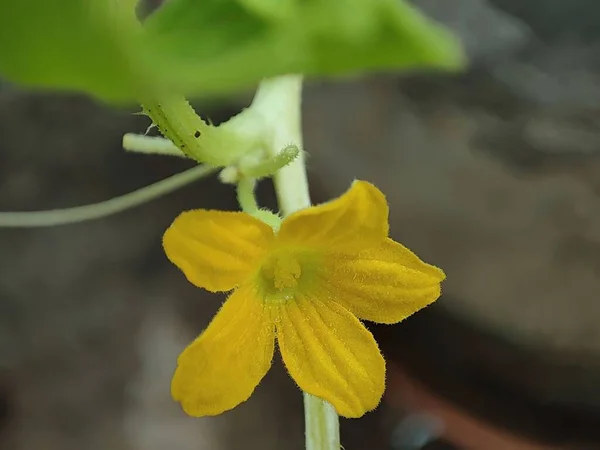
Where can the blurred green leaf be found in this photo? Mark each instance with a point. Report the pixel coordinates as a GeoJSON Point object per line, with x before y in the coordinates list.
{"type": "Point", "coordinates": [201, 47]}
{"type": "Point", "coordinates": [84, 45]}
{"type": "Point", "coordinates": [355, 36]}
{"type": "Point", "coordinates": [215, 45]}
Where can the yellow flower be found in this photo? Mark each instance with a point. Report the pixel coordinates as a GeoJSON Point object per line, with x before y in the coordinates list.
{"type": "Point", "coordinates": [305, 286]}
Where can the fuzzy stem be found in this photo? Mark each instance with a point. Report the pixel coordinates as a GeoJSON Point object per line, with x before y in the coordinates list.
{"type": "Point", "coordinates": [279, 100]}
{"type": "Point", "coordinates": [176, 120]}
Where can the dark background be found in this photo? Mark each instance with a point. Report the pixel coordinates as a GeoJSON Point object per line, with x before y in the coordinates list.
{"type": "Point", "coordinates": [493, 175]}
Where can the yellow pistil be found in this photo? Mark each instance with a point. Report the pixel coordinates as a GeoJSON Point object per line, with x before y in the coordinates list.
{"type": "Point", "coordinates": [306, 287]}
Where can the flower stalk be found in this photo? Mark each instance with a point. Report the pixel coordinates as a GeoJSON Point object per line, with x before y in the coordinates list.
{"type": "Point", "coordinates": [321, 423]}
{"type": "Point", "coordinates": [280, 101]}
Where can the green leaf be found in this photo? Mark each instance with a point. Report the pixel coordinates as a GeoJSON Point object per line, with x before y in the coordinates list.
{"type": "Point", "coordinates": [83, 45]}
{"type": "Point", "coordinates": [371, 35]}
{"type": "Point", "coordinates": [202, 47]}
{"type": "Point", "coordinates": [216, 45]}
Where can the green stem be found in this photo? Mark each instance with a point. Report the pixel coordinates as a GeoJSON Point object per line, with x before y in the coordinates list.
{"type": "Point", "coordinates": [102, 209]}
{"type": "Point", "coordinates": [245, 195]}
{"type": "Point", "coordinates": [321, 423]}
{"type": "Point", "coordinates": [279, 100]}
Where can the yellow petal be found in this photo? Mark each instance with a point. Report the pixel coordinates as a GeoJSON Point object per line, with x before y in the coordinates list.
{"type": "Point", "coordinates": [221, 368]}
{"type": "Point", "coordinates": [331, 355]}
{"type": "Point", "coordinates": [385, 284]}
{"type": "Point", "coordinates": [216, 250]}
{"type": "Point", "coordinates": [358, 219]}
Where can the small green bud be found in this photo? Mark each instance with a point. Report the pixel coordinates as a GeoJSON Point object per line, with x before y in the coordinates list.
{"type": "Point", "coordinates": [268, 167]}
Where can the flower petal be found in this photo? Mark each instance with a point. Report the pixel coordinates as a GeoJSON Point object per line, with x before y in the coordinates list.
{"type": "Point", "coordinates": [216, 250]}
{"type": "Point", "coordinates": [355, 220]}
{"type": "Point", "coordinates": [331, 355]}
{"type": "Point", "coordinates": [221, 368]}
{"type": "Point", "coordinates": [385, 284]}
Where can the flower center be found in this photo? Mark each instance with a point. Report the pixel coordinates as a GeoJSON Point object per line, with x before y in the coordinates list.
{"type": "Point", "coordinates": [285, 272]}
{"type": "Point", "coordinates": [282, 271]}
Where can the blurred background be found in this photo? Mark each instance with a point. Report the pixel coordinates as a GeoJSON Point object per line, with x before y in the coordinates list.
{"type": "Point", "coordinates": [493, 174]}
